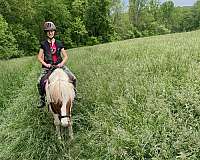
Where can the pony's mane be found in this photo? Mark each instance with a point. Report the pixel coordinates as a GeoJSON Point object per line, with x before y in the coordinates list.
{"type": "Point", "coordinates": [59, 87]}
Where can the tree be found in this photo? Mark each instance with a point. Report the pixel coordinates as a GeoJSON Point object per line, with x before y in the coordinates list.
{"type": "Point", "coordinates": [196, 14]}
{"type": "Point", "coordinates": [183, 19]}
{"type": "Point", "coordinates": [21, 22]}
{"type": "Point", "coordinates": [135, 9]}
{"type": "Point", "coordinates": [167, 9]}
{"type": "Point", "coordinates": [8, 46]}
{"type": "Point", "coordinates": [79, 32]}
{"type": "Point", "coordinates": [98, 20]}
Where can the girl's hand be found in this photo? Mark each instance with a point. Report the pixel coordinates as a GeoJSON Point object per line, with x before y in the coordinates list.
{"type": "Point", "coordinates": [60, 65]}
{"type": "Point", "coordinates": [48, 65]}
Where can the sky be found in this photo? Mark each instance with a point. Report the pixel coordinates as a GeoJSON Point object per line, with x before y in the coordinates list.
{"type": "Point", "coordinates": [176, 2]}
{"type": "Point", "coordinates": [181, 2]}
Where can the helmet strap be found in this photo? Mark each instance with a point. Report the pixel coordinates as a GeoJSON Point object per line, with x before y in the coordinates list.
{"type": "Point", "coordinates": [50, 39]}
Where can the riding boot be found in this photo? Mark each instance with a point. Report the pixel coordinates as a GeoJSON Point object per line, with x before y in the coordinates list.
{"type": "Point", "coordinates": [42, 102]}
{"type": "Point", "coordinates": [42, 97]}
{"type": "Point", "coordinates": [75, 90]}
{"type": "Point", "coordinates": [72, 79]}
{"type": "Point", "coordinates": [74, 84]}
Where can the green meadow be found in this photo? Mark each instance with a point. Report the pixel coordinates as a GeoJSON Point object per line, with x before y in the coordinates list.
{"type": "Point", "coordinates": [140, 99]}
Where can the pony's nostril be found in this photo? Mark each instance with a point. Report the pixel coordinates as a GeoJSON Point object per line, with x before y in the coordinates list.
{"type": "Point", "coordinates": [64, 125]}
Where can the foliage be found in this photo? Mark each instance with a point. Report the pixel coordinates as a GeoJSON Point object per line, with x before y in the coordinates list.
{"type": "Point", "coordinates": [155, 28]}
{"type": "Point", "coordinates": [90, 22]}
{"type": "Point", "coordinates": [167, 9]}
{"type": "Point", "coordinates": [8, 45]}
{"type": "Point", "coordinates": [25, 40]}
{"type": "Point", "coordinates": [135, 9]}
{"type": "Point", "coordinates": [183, 20]}
{"type": "Point", "coordinates": [92, 41]}
{"type": "Point", "coordinates": [196, 14]}
{"type": "Point", "coordinates": [98, 22]}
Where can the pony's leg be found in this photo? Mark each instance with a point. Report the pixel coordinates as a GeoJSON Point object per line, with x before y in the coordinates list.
{"type": "Point", "coordinates": [57, 122]}
{"type": "Point", "coordinates": [71, 135]}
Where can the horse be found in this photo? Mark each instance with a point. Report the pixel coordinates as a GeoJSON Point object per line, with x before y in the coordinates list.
{"type": "Point", "coordinates": [60, 95]}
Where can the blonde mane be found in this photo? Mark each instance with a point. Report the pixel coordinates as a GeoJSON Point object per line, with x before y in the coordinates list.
{"type": "Point", "coordinates": [58, 88]}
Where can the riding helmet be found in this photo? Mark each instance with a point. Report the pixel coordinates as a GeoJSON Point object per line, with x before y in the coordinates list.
{"type": "Point", "coordinates": [49, 26]}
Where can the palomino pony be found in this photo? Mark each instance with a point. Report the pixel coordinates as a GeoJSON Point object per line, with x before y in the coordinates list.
{"type": "Point", "coordinates": [60, 95]}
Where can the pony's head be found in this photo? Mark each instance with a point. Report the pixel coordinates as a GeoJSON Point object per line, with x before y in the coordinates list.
{"type": "Point", "coordinates": [65, 113]}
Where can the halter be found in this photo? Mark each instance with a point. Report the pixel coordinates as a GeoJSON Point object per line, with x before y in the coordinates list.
{"type": "Point", "coordinates": [67, 116]}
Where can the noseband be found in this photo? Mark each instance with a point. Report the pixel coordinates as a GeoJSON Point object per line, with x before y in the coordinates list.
{"type": "Point", "coordinates": [67, 116]}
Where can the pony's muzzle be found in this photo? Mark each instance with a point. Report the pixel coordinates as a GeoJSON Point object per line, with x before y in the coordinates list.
{"type": "Point", "coordinates": [65, 122]}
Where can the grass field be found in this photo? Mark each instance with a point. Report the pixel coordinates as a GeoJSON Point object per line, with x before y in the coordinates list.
{"type": "Point", "coordinates": [140, 100]}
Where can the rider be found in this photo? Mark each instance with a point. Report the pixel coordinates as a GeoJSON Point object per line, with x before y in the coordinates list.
{"type": "Point", "coordinates": [50, 54]}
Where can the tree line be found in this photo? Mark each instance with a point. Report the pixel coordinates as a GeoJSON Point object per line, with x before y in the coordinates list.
{"type": "Point", "coordinates": [88, 22]}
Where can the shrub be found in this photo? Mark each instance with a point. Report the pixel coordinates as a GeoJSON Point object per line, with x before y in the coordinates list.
{"type": "Point", "coordinates": [92, 41]}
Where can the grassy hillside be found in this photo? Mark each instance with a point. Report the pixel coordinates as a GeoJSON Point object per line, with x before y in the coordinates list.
{"type": "Point", "coordinates": [140, 100]}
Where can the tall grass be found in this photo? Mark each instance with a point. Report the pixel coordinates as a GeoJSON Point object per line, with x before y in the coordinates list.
{"type": "Point", "coordinates": [12, 74]}
{"type": "Point", "coordinates": [140, 100]}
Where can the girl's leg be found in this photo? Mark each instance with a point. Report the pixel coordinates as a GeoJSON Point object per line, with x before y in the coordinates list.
{"type": "Point", "coordinates": [40, 90]}
{"type": "Point", "coordinates": [70, 75]}
{"type": "Point", "coordinates": [72, 78]}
